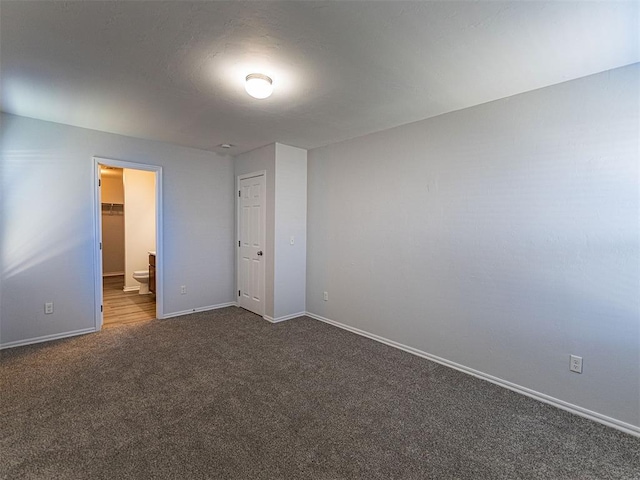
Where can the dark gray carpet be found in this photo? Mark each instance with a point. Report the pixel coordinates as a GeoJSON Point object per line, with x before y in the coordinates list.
{"type": "Point", "coordinates": [226, 395]}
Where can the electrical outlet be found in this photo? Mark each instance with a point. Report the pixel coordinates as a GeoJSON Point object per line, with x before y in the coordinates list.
{"type": "Point", "coordinates": [575, 364]}
{"type": "Point", "coordinates": [48, 308]}
{"type": "Point", "coordinates": [326, 296]}
{"type": "Point", "coordinates": [183, 290]}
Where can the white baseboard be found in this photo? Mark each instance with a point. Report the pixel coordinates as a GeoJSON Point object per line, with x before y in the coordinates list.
{"type": "Point", "coordinates": [569, 407]}
{"type": "Point", "coordinates": [47, 338]}
{"type": "Point", "coordinates": [286, 317]}
{"type": "Point", "coordinates": [112, 274]}
{"type": "Point", "coordinates": [199, 309]}
{"type": "Point", "coordinates": [135, 288]}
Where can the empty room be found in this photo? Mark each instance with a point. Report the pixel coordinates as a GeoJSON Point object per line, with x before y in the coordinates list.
{"type": "Point", "coordinates": [320, 239]}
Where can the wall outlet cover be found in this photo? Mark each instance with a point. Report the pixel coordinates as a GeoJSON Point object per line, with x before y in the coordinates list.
{"type": "Point", "coordinates": [575, 364]}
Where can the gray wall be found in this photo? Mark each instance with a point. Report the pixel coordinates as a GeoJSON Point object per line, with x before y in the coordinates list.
{"type": "Point", "coordinates": [257, 160]}
{"type": "Point", "coordinates": [290, 273]}
{"type": "Point", "coordinates": [286, 215]}
{"type": "Point", "coordinates": [502, 237]}
{"type": "Point", "coordinates": [47, 230]}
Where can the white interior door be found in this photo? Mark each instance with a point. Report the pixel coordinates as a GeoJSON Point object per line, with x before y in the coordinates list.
{"type": "Point", "coordinates": [251, 237]}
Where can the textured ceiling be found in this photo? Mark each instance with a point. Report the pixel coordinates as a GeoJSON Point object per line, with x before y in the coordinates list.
{"type": "Point", "coordinates": [173, 71]}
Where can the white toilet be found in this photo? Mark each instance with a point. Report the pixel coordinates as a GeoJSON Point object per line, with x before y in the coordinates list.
{"type": "Point", "coordinates": [142, 276]}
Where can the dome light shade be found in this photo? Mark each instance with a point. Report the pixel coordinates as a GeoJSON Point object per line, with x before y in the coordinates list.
{"type": "Point", "coordinates": [258, 85]}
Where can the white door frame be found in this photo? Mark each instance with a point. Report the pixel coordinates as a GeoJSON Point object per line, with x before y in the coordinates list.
{"type": "Point", "coordinates": [97, 220]}
{"type": "Point", "coordinates": [262, 173]}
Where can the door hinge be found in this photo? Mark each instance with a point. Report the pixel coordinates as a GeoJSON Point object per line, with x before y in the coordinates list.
{"type": "Point", "coordinates": [100, 245]}
{"type": "Point", "coordinates": [238, 292]}
{"type": "Point", "coordinates": [101, 308]}
{"type": "Point", "coordinates": [238, 193]}
{"type": "Point", "coordinates": [238, 242]}
{"type": "Point", "coordinates": [99, 182]}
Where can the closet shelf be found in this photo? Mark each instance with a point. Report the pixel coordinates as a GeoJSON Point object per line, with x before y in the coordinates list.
{"type": "Point", "coordinates": [113, 208]}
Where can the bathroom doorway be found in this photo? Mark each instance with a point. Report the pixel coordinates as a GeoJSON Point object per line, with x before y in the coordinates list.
{"type": "Point", "coordinates": [128, 219]}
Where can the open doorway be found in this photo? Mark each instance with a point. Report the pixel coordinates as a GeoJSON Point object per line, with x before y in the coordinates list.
{"type": "Point", "coordinates": [128, 219]}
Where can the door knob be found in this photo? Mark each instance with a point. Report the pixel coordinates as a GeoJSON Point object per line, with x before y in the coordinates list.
{"type": "Point", "coordinates": [259, 253]}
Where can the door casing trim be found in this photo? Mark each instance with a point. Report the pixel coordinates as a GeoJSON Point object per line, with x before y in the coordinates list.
{"type": "Point", "coordinates": [244, 176]}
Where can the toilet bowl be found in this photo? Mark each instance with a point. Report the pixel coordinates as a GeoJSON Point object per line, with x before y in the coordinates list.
{"type": "Point", "coordinates": [142, 276]}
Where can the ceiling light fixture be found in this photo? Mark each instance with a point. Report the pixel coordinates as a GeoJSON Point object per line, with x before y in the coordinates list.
{"type": "Point", "coordinates": [258, 85]}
